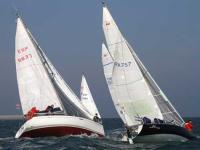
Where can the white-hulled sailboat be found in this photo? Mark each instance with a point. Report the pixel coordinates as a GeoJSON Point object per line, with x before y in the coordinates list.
{"type": "Point", "coordinates": [40, 86]}
{"type": "Point", "coordinates": [145, 110]}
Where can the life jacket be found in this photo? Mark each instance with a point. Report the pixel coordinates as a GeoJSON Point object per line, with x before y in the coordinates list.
{"type": "Point", "coordinates": [31, 113]}
{"type": "Point", "coordinates": [188, 126]}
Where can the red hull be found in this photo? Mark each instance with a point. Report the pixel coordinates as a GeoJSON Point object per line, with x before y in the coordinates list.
{"type": "Point", "coordinates": [57, 131]}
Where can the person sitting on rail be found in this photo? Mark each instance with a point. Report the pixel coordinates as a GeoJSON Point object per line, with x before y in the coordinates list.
{"type": "Point", "coordinates": [96, 118]}
{"type": "Point", "coordinates": [49, 108]}
{"type": "Point", "coordinates": [158, 121]}
{"type": "Point", "coordinates": [188, 125]}
{"type": "Point", "coordinates": [31, 113]}
{"type": "Point", "coordinates": [146, 120]}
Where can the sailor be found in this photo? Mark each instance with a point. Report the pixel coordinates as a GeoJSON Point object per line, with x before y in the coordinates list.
{"type": "Point", "coordinates": [31, 113]}
{"type": "Point", "coordinates": [96, 118]}
{"type": "Point", "coordinates": [188, 125]}
{"type": "Point", "coordinates": [146, 120]}
{"type": "Point", "coordinates": [49, 108]}
{"type": "Point", "coordinates": [128, 132]}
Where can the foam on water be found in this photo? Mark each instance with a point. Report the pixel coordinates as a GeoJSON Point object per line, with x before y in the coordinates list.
{"type": "Point", "coordinates": [112, 140]}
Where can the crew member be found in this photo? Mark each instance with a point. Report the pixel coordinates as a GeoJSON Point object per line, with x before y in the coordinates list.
{"type": "Point", "coordinates": [49, 108]}
{"type": "Point", "coordinates": [188, 125]}
{"type": "Point", "coordinates": [96, 118]}
{"type": "Point", "coordinates": [31, 113]}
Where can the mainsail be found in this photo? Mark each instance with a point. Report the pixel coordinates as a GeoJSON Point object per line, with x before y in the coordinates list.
{"type": "Point", "coordinates": [87, 99]}
{"type": "Point", "coordinates": [35, 86]}
{"type": "Point", "coordinates": [67, 99]}
{"type": "Point", "coordinates": [133, 89]}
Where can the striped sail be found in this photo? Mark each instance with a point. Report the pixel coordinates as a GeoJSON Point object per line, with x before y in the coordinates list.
{"type": "Point", "coordinates": [34, 84]}
{"type": "Point", "coordinates": [132, 90]}
{"type": "Point", "coordinates": [87, 99]}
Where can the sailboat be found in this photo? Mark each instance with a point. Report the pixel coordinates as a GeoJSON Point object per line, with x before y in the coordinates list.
{"type": "Point", "coordinates": [144, 109]}
{"type": "Point", "coordinates": [40, 86]}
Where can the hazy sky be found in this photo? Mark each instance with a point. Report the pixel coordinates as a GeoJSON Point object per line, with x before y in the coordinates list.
{"type": "Point", "coordinates": [165, 35]}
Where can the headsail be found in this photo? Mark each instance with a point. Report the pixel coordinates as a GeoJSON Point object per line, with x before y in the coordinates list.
{"type": "Point", "coordinates": [34, 83]}
{"type": "Point", "coordinates": [131, 85]}
{"type": "Point", "coordinates": [70, 101]}
{"type": "Point", "coordinates": [168, 111]}
{"type": "Point", "coordinates": [108, 65]}
{"type": "Point", "coordinates": [87, 99]}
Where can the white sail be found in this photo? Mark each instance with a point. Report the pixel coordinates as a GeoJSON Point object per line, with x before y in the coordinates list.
{"type": "Point", "coordinates": [34, 84]}
{"type": "Point", "coordinates": [70, 100]}
{"type": "Point", "coordinates": [168, 111]}
{"type": "Point", "coordinates": [111, 31]}
{"type": "Point", "coordinates": [131, 90]}
{"type": "Point", "coordinates": [68, 92]}
{"type": "Point", "coordinates": [87, 99]}
{"type": "Point", "coordinates": [108, 65]}
{"type": "Point", "coordinates": [130, 83]}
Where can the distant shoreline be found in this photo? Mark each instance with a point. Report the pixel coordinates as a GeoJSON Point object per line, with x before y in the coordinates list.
{"type": "Point", "coordinates": [11, 117]}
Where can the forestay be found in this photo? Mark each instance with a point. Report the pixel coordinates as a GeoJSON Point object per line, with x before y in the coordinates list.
{"type": "Point", "coordinates": [35, 86]}
{"type": "Point", "coordinates": [87, 99]}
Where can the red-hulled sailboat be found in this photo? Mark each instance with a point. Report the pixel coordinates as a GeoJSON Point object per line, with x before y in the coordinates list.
{"type": "Point", "coordinates": [40, 86]}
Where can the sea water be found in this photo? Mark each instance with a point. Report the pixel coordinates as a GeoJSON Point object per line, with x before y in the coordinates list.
{"type": "Point", "coordinates": [112, 140]}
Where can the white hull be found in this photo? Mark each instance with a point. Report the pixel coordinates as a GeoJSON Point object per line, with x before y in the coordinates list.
{"type": "Point", "coordinates": [58, 125]}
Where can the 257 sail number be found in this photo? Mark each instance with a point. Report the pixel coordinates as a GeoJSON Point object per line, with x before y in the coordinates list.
{"type": "Point", "coordinates": [123, 64]}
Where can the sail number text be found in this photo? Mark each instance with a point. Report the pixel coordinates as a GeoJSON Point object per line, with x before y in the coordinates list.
{"type": "Point", "coordinates": [24, 49]}
{"type": "Point", "coordinates": [123, 64]}
{"type": "Point", "coordinates": [24, 57]}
